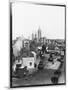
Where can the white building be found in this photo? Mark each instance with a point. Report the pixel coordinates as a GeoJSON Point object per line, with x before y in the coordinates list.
{"type": "Point", "coordinates": [29, 62]}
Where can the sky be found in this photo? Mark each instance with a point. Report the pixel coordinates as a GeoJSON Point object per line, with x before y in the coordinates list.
{"type": "Point", "coordinates": [27, 18]}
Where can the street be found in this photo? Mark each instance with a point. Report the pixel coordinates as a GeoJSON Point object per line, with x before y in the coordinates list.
{"type": "Point", "coordinates": [39, 77]}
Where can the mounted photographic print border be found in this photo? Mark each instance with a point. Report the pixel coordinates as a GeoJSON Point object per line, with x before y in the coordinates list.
{"type": "Point", "coordinates": [11, 50]}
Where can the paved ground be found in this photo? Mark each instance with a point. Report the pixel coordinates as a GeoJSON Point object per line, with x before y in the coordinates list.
{"type": "Point", "coordinates": [39, 77]}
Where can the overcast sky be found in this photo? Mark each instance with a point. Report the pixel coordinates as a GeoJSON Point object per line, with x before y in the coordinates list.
{"type": "Point", "coordinates": [28, 17]}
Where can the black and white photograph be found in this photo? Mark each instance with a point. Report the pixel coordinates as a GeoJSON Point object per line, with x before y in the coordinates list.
{"type": "Point", "coordinates": [37, 44]}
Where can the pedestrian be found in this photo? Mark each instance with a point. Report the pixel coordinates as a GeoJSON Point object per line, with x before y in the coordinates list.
{"type": "Point", "coordinates": [44, 48]}
{"type": "Point", "coordinates": [50, 58]}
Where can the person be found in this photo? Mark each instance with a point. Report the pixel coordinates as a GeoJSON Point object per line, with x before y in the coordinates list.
{"type": "Point", "coordinates": [54, 80]}
{"type": "Point", "coordinates": [43, 48]}
{"type": "Point", "coordinates": [41, 55]}
{"type": "Point", "coordinates": [40, 65]}
{"type": "Point", "coordinates": [50, 58]}
{"type": "Point", "coordinates": [16, 65]}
